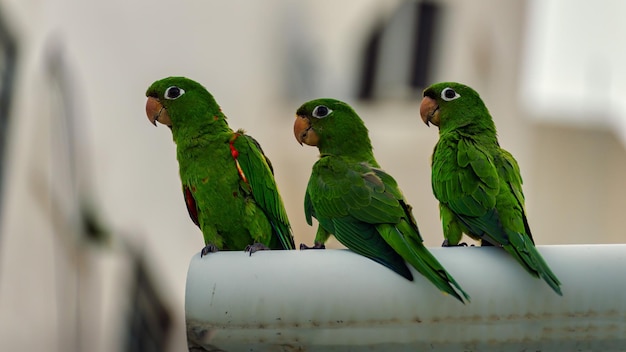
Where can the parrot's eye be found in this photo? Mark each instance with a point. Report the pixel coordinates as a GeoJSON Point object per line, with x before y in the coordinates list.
{"type": "Point", "coordinates": [173, 92]}
{"type": "Point", "coordinates": [321, 111]}
{"type": "Point", "coordinates": [449, 94]}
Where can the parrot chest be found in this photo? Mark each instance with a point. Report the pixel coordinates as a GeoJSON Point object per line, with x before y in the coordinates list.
{"type": "Point", "coordinates": [444, 161]}
{"type": "Point", "coordinates": [211, 175]}
{"type": "Point", "coordinates": [332, 179]}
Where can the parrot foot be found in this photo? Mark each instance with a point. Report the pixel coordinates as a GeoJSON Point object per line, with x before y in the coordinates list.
{"type": "Point", "coordinates": [317, 245]}
{"type": "Point", "coordinates": [256, 247]}
{"type": "Point", "coordinates": [209, 248]}
{"type": "Point", "coordinates": [447, 244]}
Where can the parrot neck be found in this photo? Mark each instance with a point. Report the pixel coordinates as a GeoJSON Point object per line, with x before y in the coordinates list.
{"type": "Point", "coordinates": [477, 127]}
{"type": "Point", "coordinates": [349, 138]}
{"type": "Point", "coordinates": [353, 147]}
{"type": "Point", "coordinates": [192, 135]}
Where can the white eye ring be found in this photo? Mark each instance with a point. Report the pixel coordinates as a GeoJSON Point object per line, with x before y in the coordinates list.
{"type": "Point", "coordinates": [321, 111]}
{"type": "Point", "coordinates": [448, 94]}
{"type": "Point", "coordinates": [173, 92]}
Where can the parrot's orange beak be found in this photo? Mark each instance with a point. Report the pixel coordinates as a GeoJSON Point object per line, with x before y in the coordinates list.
{"type": "Point", "coordinates": [157, 112]}
{"type": "Point", "coordinates": [303, 131]}
{"type": "Point", "coordinates": [429, 110]}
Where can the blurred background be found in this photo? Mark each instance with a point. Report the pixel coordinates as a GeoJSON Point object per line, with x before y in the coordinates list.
{"type": "Point", "coordinates": [95, 239]}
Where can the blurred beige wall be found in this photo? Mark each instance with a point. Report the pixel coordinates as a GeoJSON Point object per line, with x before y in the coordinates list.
{"type": "Point", "coordinates": [239, 51]}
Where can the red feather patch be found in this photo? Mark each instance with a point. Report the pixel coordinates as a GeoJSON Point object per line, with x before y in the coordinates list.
{"type": "Point", "coordinates": [235, 153]}
{"type": "Point", "coordinates": [190, 201]}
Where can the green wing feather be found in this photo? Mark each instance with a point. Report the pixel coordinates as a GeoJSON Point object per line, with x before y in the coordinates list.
{"type": "Point", "coordinates": [488, 201]}
{"type": "Point", "coordinates": [512, 176]}
{"type": "Point", "coordinates": [259, 173]}
{"type": "Point", "coordinates": [405, 239]}
{"type": "Point", "coordinates": [337, 191]}
{"type": "Point", "coordinates": [469, 187]}
{"type": "Point", "coordinates": [365, 210]}
{"type": "Point", "coordinates": [309, 212]}
{"type": "Point", "coordinates": [522, 244]}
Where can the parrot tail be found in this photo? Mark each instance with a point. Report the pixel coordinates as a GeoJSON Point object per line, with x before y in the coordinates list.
{"type": "Point", "coordinates": [408, 244]}
{"type": "Point", "coordinates": [428, 266]}
{"type": "Point", "coordinates": [527, 255]}
{"type": "Point", "coordinates": [283, 232]}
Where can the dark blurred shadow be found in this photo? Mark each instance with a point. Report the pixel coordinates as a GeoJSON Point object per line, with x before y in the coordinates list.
{"type": "Point", "coordinates": [398, 52]}
{"type": "Point", "coordinates": [8, 69]}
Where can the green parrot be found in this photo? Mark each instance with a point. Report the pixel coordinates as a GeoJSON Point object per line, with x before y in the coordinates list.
{"type": "Point", "coordinates": [228, 182]}
{"type": "Point", "coordinates": [478, 184]}
{"type": "Point", "coordinates": [355, 200]}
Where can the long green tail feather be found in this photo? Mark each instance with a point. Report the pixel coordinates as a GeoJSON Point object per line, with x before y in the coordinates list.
{"type": "Point", "coordinates": [414, 252]}
{"type": "Point", "coordinates": [527, 255]}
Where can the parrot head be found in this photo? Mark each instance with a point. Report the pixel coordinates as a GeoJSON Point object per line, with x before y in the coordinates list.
{"type": "Point", "coordinates": [442, 100]}
{"type": "Point", "coordinates": [331, 125]}
{"type": "Point", "coordinates": [318, 120]}
{"type": "Point", "coordinates": [177, 100]}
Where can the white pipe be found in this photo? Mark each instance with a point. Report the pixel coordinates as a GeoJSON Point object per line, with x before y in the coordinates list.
{"type": "Point", "coordinates": [335, 300]}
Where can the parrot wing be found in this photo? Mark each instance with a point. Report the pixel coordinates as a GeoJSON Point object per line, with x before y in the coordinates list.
{"type": "Point", "coordinates": [404, 237]}
{"type": "Point", "coordinates": [257, 171]}
{"type": "Point", "coordinates": [364, 208]}
{"type": "Point", "coordinates": [349, 202]}
{"type": "Point", "coordinates": [510, 173]}
{"type": "Point", "coordinates": [522, 245]}
{"type": "Point", "coordinates": [470, 189]}
{"type": "Point", "coordinates": [309, 212]}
